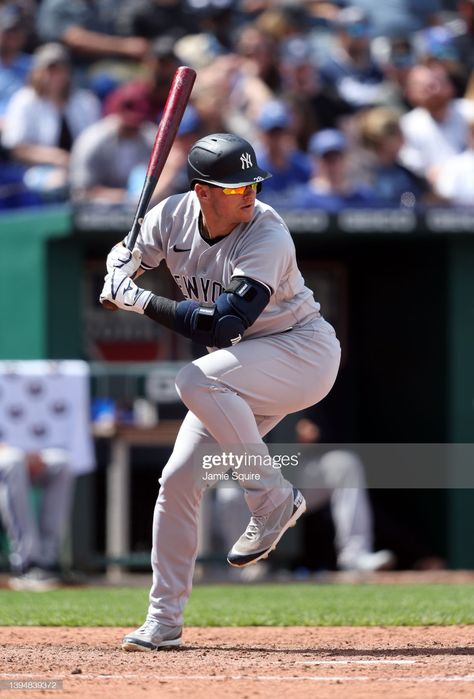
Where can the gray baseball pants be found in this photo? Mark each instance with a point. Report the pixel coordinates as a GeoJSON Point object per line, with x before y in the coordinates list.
{"type": "Point", "coordinates": [34, 539]}
{"type": "Point", "coordinates": [235, 396]}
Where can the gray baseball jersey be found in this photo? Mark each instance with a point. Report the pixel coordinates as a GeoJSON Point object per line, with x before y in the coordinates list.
{"type": "Point", "coordinates": [262, 250]}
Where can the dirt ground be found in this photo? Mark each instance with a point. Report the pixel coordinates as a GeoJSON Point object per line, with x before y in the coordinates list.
{"type": "Point", "coordinates": [249, 663]}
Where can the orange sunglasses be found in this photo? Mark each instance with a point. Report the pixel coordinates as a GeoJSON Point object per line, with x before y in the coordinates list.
{"type": "Point", "coordinates": [239, 190]}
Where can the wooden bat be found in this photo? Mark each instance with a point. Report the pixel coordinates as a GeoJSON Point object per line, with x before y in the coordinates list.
{"type": "Point", "coordinates": [176, 102]}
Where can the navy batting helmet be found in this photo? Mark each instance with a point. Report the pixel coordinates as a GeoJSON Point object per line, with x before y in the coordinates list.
{"type": "Point", "coordinates": [224, 159]}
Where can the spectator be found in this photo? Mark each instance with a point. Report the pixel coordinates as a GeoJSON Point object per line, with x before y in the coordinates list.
{"type": "Point", "coordinates": [152, 19]}
{"type": "Point", "coordinates": [89, 29]}
{"type": "Point", "coordinates": [350, 68]}
{"type": "Point", "coordinates": [456, 180]}
{"type": "Point", "coordinates": [213, 100]}
{"type": "Point", "coordinates": [280, 156]}
{"type": "Point", "coordinates": [255, 77]}
{"type": "Point", "coordinates": [337, 478]}
{"type": "Point", "coordinates": [214, 18]}
{"type": "Point", "coordinates": [465, 40]}
{"type": "Point", "coordinates": [393, 183]}
{"type": "Point", "coordinates": [396, 57]}
{"type": "Point", "coordinates": [104, 157]}
{"type": "Point", "coordinates": [28, 10]}
{"type": "Point", "coordinates": [318, 106]}
{"type": "Point", "coordinates": [400, 17]}
{"type": "Point", "coordinates": [197, 50]}
{"type": "Point", "coordinates": [160, 64]}
{"type": "Point", "coordinates": [283, 21]}
{"type": "Point", "coordinates": [330, 188]}
{"type": "Point", "coordinates": [35, 541]}
{"type": "Point", "coordinates": [259, 55]}
{"type": "Point", "coordinates": [320, 26]}
{"type": "Point", "coordinates": [437, 45]}
{"type": "Point", "coordinates": [159, 67]}
{"type": "Point", "coordinates": [43, 120]}
{"type": "Point", "coordinates": [14, 63]}
{"type": "Point", "coordinates": [252, 8]}
{"type": "Point", "coordinates": [436, 128]}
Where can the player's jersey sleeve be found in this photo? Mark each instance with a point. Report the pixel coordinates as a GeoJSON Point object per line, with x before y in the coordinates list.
{"type": "Point", "coordinates": [173, 220]}
{"type": "Point", "coordinates": [267, 254]}
{"type": "Point", "coordinates": [152, 235]}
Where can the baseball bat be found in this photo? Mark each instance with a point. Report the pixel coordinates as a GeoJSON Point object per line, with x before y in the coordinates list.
{"type": "Point", "coordinates": [176, 102]}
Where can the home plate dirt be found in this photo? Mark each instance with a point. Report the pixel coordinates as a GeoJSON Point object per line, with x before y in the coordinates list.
{"type": "Point", "coordinates": [256, 662]}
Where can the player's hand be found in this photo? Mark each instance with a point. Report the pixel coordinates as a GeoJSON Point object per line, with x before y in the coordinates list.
{"type": "Point", "coordinates": [123, 259]}
{"type": "Point", "coordinates": [124, 293]}
{"type": "Point", "coordinates": [35, 464]}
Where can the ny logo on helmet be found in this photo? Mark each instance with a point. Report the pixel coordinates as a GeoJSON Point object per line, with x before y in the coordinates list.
{"type": "Point", "coordinates": [246, 160]}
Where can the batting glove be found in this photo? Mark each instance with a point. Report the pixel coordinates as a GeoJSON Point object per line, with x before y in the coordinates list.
{"type": "Point", "coordinates": [123, 259]}
{"type": "Point", "coordinates": [125, 294]}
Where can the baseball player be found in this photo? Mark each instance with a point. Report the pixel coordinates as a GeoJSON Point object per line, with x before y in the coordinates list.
{"type": "Point", "coordinates": [35, 541]}
{"type": "Point", "coordinates": [270, 353]}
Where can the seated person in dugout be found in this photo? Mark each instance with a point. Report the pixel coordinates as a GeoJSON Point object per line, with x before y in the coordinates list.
{"type": "Point", "coordinates": [35, 538]}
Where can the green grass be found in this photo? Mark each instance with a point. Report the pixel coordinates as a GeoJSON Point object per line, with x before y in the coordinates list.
{"type": "Point", "coordinates": [250, 605]}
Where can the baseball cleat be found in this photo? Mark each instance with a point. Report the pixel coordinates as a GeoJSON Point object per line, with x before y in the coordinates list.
{"type": "Point", "coordinates": [367, 562]}
{"type": "Point", "coordinates": [151, 636]}
{"type": "Point", "coordinates": [265, 531]}
{"type": "Point", "coordinates": [36, 579]}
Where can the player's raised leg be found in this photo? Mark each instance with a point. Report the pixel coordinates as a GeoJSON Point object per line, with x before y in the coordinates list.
{"type": "Point", "coordinates": [226, 389]}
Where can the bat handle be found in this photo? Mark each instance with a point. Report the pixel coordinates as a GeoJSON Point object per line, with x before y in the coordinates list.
{"type": "Point", "coordinates": [130, 243]}
{"type": "Point", "coordinates": [173, 112]}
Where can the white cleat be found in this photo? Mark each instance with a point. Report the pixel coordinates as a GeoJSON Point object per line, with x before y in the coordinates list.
{"type": "Point", "coordinates": [151, 636]}
{"type": "Point", "coordinates": [265, 531]}
{"type": "Point", "coordinates": [369, 562]}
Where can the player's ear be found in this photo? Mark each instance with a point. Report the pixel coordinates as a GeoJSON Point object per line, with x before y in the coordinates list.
{"type": "Point", "coordinates": [202, 191]}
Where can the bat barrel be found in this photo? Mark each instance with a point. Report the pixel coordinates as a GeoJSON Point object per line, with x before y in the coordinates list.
{"type": "Point", "coordinates": [176, 102]}
{"type": "Point", "coordinates": [178, 97]}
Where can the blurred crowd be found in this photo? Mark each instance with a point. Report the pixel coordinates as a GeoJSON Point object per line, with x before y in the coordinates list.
{"type": "Point", "coordinates": [355, 103]}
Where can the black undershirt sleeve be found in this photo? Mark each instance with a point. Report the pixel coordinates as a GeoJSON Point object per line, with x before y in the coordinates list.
{"type": "Point", "coordinates": [210, 323]}
{"type": "Point", "coordinates": [162, 311]}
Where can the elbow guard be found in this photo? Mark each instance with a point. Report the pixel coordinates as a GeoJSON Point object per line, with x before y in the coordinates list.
{"type": "Point", "coordinates": [237, 308]}
{"type": "Point", "coordinates": [223, 324]}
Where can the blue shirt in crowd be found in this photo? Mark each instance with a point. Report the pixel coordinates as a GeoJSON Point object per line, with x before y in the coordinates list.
{"type": "Point", "coordinates": [392, 182]}
{"type": "Point", "coordinates": [12, 77]}
{"type": "Point", "coordinates": [306, 197]}
{"type": "Point", "coordinates": [278, 190]}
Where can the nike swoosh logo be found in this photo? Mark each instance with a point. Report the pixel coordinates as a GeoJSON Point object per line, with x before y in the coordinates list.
{"type": "Point", "coordinates": [278, 526]}
{"type": "Point", "coordinates": [181, 249]}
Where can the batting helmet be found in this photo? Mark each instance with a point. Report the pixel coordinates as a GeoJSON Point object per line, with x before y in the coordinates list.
{"type": "Point", "coordinates": [224, 159]}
